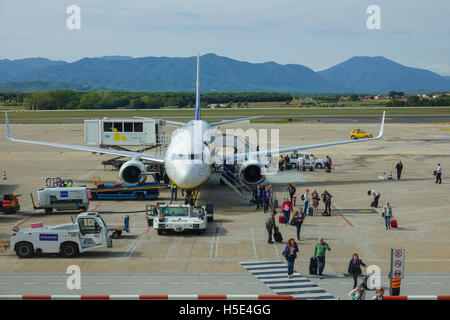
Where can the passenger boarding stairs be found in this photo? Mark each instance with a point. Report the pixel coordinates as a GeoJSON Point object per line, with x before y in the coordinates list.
{"type": "Point", "coordinates": [229, 175]}
{"type": "Point", "coordinates": [231, 179]}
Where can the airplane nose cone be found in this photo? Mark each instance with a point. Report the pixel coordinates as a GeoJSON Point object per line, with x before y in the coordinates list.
{"type": "Point", "coordinates": [190, 176]}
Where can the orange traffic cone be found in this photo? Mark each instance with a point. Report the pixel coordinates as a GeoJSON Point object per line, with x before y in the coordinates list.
{"type": "Point", "coordinates": [390, 175]}
{"type": "Point", "coordinates": [4, 175]}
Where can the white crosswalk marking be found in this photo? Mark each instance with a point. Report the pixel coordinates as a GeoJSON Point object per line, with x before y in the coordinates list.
{"type": "Point", "coordinates": [274, 275]}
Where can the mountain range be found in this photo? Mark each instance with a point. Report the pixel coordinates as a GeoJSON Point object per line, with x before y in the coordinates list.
{"type": "Point", "coordinates": [218, 74]}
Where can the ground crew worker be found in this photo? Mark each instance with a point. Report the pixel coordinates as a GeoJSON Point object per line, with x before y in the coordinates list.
{"type": "Point", "coordinates": [173, 192]}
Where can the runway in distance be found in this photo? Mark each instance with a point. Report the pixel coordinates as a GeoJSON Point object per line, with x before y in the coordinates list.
{"type": "Point", "coordinates": [190, 154]}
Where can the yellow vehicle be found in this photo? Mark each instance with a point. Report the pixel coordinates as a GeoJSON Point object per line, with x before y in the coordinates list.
{"type": "Point", "coordinates": [360, 134]}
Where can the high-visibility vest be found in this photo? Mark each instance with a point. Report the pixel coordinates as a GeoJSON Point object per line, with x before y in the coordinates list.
{"type": "Point", "coordinates": [396, 282]}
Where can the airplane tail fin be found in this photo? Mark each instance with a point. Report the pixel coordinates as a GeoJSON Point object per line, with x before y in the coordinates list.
{"type": "Point", "coordinates": [197, 115]}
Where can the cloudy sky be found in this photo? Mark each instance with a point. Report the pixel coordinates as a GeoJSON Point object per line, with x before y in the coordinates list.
{"type": "Point", "coordinates": [317, 34]}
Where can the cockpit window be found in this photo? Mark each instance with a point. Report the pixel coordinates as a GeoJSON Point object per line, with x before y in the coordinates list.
{"type": "Point", "coordinates": [191, 156]}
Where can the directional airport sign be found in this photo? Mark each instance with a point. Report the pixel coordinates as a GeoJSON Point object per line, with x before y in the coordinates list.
{"type": "Point", "coordinates": [398, 263]}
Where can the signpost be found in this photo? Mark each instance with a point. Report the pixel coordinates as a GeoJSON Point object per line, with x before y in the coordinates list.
{"type": "Point", "coordinates": [397, 266]}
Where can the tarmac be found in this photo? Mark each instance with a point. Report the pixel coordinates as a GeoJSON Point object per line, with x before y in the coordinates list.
{"type": "Point", "coordinates": [420, 206]}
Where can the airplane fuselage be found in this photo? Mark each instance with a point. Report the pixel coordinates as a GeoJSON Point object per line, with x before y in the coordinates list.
{"type": "Point", "coordinates": [187, 159]}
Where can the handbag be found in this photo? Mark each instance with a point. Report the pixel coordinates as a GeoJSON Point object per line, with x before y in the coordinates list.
{"type": "Point", "coordinates": [293, 222]}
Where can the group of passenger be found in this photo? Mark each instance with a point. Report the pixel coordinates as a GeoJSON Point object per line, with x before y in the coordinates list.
{"type": "Point", "coordinates": [263, 197]}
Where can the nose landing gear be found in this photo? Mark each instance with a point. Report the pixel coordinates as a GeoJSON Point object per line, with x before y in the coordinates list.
{"type": "Point", "coordinates": [190, 196]}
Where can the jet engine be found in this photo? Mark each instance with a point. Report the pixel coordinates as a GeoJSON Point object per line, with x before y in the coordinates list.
{"type": "Point", "coordinates": [130, 170]}
{"type": "Point", "coordinates": [251, 173]}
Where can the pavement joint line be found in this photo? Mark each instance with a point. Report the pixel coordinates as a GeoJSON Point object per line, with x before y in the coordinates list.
{"type": "Point", "coordinates": [255, 252]}
{"type": "Point", "coordinates": [211, 248]}
{"type": "Point", "coordinates": [217, 246]}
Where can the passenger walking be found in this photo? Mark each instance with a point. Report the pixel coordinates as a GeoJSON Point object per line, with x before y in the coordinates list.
{"type": "Point", "coordinates": [298, 218]}
{"type": "Point", "coordinates": [286, 208]}
{"type": "Point", "coordinates": [316, 199]}
{"type": "Point", "coordinates": [358, 293]}
{"type": "Point", "coordinates": [291, 190]}
{"type": "Point", "coordinates": [312, 160]}
{"type": "Point", "coordinates": [266, 196]}
{"type": "Point", "coordinates": [326, 197]}
{"type": "Point", "coordinates": [379, 294]}
{"type": "Point", "coordinates": [387, 215]}
{"type": "Point", "coordinates": [258, 196]}
{"type": "Point", "coordinates": [290, 253]}
{"type": "Point", "coordinates": [399, 168]}
{"type": "Point", "coordinates": [306, 198]}
{"type": "Point", "coordinates": [328, 163]}
{"type": "Point", "coordinates": [271, 195]}
{"type": "Point", "coordinates": [439, 174]}
{"type": "Point", "coordinates": [319, 255]}
{"type": "Point", "coordinates": [270, 225]}
{"type": "Point", "coordinates": [354, 268]}
{"type": "Point", "coordinates": [376, 196]}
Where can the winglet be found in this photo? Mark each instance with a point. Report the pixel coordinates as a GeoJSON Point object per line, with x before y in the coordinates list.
{"type": "Point", "coordinates": [381, 127]}
{"type": "Point", "coordinates": [8, 133]}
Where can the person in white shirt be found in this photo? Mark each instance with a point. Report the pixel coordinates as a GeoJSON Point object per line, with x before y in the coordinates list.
{"type": "Point", "coordinates": [306, 198]}
{"type": "Point", "coordinates": [376, 196]}
{"type": "Point", "coordinates": [438, 174]}
{"type": "Point", "coordinates": [387, 215]}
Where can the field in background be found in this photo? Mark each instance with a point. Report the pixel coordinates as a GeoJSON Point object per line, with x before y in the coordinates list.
{"type": "Point", "coordinates": [80, 115]}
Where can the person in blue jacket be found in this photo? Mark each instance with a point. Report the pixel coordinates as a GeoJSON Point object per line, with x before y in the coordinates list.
{"type": "Point", "coordinates": [290, 253]}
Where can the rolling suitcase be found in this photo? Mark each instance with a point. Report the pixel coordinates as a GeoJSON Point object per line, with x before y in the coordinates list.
{"type": "Point", "coordinates": [394, 223]}
{"type": "Point", "coordinates": [277, 235]}
{"type": "Point", "coordinates": [312, 266]}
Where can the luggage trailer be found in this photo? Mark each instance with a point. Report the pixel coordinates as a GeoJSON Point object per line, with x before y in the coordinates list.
{"type": "Point", "coordinates": [137, 191]}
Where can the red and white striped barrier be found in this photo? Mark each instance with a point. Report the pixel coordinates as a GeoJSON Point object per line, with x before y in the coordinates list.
{"type": "Point", "coordinates": [146, 297]}
{"type": "Point", "coordinates": [417, 298]}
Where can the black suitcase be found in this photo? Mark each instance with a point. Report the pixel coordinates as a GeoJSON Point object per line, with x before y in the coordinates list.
{"type": "Point", "coordinates": [277, 235]}
{"type": "Point", "coordinates": [312, 266]}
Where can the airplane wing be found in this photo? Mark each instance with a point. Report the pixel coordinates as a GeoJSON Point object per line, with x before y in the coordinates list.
{"type": "Point", "coordinates": [177, 123]}
{"type": "Point", "coordinates": [134, 155]}
{"type": "Point", "coordinates": [234, 120]}
{"type": "Point", "coordinates": [255, 154]}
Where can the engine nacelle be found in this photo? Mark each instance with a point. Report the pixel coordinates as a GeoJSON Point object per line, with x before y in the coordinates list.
{"type": "Point", "coordinates": [130, 170]}
{"type": "Point", "coordinates": [252, 173]}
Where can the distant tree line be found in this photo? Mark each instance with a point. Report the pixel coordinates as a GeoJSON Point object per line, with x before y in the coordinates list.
{"type": "Point", "coordinates": [69, 99]}
{"type": "Point", "coordinates": [415, 100]}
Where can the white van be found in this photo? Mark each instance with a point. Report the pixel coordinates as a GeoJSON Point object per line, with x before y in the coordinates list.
{"type": "Point", "coordinates": [71, 198]}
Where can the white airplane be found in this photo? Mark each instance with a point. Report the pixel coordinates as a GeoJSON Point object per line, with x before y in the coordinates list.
{"type": "Point", "coordinates": [188, 159]}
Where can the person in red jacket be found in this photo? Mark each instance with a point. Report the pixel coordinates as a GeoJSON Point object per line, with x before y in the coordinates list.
{"type": "Point", "coordinates": [286, 208]}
